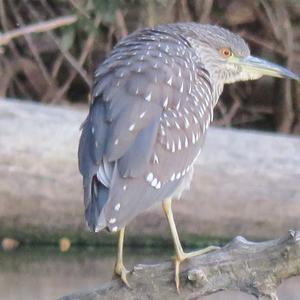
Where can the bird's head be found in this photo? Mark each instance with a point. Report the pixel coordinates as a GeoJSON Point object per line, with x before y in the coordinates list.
{"type": "Point", "coordinates": [227, 56]}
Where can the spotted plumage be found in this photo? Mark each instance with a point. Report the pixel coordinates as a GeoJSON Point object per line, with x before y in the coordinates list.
{"type": "Point", "coordinates": [148, 108]}
{"type": "Point", "coordinates": [152, 102]}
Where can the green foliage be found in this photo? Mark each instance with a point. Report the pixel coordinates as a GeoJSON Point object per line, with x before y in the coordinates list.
{"type": "Point", "coordinates": [68, 37]}
{"type": "Point", "coordinates": [106, 9]}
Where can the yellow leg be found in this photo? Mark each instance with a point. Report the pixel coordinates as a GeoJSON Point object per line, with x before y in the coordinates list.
{"type": "Point", "coordinates": [120, 269]}
{"type": "Point", "coordinates": [180, 255]}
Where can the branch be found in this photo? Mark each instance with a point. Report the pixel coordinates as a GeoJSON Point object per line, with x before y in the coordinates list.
{"type": "Point", "coordinates": [254, 268]}
{"type": "Point", "coordinates": [5, 38]}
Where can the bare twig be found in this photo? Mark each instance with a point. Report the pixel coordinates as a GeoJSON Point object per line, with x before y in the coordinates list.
{"type": "Point", "coordinates": [80, 9]}
{"type": "Point", "coordinates": [263, 43]}
{"type": "Point", "coordinates": [6, 37]}
{"type": "Point", "coordinates": [87, 48]}
{"type": "Point", "coordinates": [284, 31]}
{"type": "Point", "coordinates": [47, 78]}
{"type": "Point", "coordinates": [67, 55]}
{"type": "Point", "coordinates": [122, 28]}
{"type": "Point", "coordinates": [206, 10]}
{"type": "Point", "coordinates": [227, 116]}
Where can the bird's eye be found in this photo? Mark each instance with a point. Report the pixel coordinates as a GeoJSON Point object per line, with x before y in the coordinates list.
{"type": "Point", "coordinates": [225, 52]}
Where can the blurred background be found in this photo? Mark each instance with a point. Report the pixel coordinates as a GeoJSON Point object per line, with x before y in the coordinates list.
{"type": "Point", "coordinates": [55, 68]}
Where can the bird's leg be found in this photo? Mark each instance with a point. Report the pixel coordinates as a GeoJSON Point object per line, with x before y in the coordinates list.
{"type": "Point", "coordinates": [180, 255]}
{"type": "Point", "coordinates": [120, 269]}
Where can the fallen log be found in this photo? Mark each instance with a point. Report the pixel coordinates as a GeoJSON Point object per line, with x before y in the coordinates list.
{"type": "Point", "coordinates": [241, 176]}
{"type": "Point", "coordinates": [253, 268]}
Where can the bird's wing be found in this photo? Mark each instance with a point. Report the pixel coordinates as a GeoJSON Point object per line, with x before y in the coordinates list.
{"type": "Point", "coordinates": [124, 116]}
{"type": "Point", "coordinates": [154, 118]}
{"type": "Point", "coordinates": [136, 84]}
{"type": "Point", "coordinates": [163, 152]}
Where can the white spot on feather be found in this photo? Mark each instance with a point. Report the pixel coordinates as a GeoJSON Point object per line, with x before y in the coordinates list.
{"type": "Point", "coordinates": [181, 88]}
{"type": "Point", "coordinates": [173, 146]}
{"type": "Point", "coordinates": [148, 97]}
{"type": "Point", "coordinates": [154, 182]}
{"type": "Point", "coordinates": [112, 220]}
{"type": "Point", "coordinates": [186, 142]}
{"type": "Point", "coordinates": [179, 144]}
{"type": "Point", "coordinates": [149, 177]}
{"type": "Point", "coordinates": [142, 115]}
{"type": "Point", "coordinates": [131, 127]}
{"type": "Point", "coordinates": [162, 130]}
{"type": "Point", "coordinates": [187, 123]}
{"type": "Point", "coordinates": [117, 207]}
{"type": "Point", "coordinates": [166, 102]}
{"type": "Point", "coordinates": [193, 138]}
{"type": "Point", "coordinates": [168, 145]}
{"type": "Point", "coordinates": [195, 119]}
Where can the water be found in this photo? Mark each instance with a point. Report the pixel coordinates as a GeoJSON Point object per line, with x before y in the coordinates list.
{"type": "Point", "coordinates": [46, 274]}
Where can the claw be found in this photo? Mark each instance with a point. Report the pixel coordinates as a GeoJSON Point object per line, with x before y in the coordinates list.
{"type": "Point", "coordinates": [121, 271]}
{"type": "Point", "coordinates": [180, 257]}
{"type": "Point", "coordinates": [177, 270]}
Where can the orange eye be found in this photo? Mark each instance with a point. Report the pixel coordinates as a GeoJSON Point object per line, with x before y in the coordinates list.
{"type": "Point", "coordinates": [226, 52]}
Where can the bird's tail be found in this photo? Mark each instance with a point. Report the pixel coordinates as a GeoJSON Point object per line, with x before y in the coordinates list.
{"type": "Point", "coordinates": [95, 197]}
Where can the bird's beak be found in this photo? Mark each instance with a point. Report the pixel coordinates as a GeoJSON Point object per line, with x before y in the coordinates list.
{"type": "Point", "coordinates": [259, 67]}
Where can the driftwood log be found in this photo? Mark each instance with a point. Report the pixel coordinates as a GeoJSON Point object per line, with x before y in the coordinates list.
{"type": "Point", "coordinates": [254, 268]}
{"type": "Point", "coordinates": [245, 175]}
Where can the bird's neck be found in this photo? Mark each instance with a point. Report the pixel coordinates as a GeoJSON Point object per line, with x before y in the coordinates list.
{"type": "Point", "coordinates": [218, 89]}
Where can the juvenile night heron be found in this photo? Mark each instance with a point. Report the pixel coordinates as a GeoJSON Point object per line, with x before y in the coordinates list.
{"type": "Point", "coordinates": [152, 102]}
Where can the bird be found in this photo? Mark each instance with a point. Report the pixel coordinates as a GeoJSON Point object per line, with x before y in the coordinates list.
{"type": "Point", "coordinates": [151, 104]}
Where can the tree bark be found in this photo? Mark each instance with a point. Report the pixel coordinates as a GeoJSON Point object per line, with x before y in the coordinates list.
{"type": "Point", "coordinates": [254, 268]}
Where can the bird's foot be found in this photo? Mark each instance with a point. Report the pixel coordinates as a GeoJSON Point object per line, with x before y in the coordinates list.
{"type": "Point", "coordinates": [182, 256]}
{"type": "Point", "coordinates": [121, 271]}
